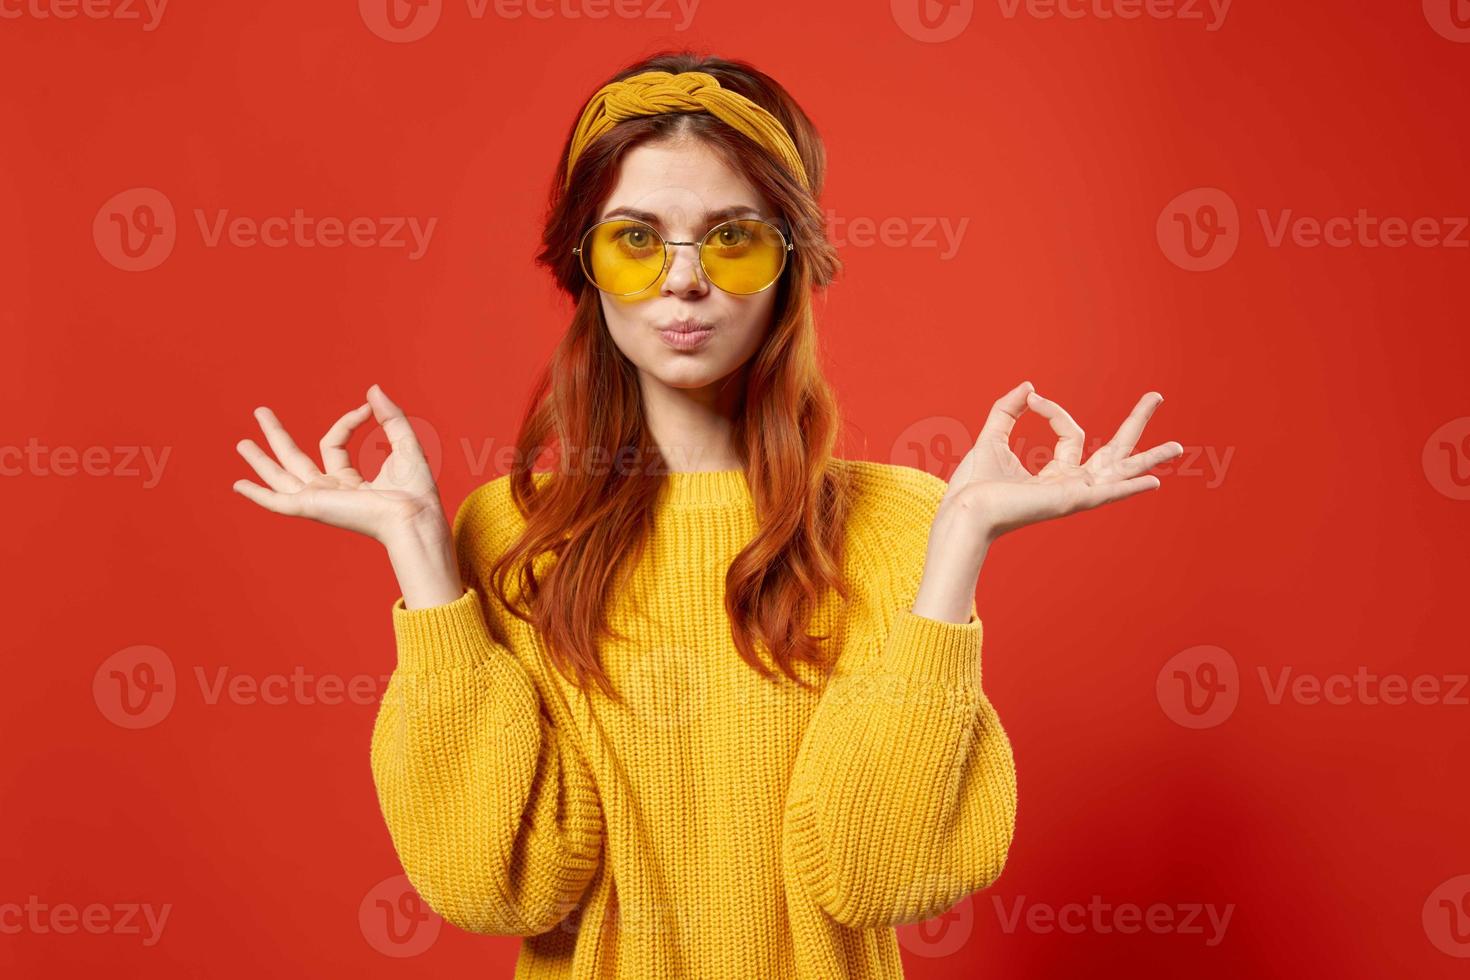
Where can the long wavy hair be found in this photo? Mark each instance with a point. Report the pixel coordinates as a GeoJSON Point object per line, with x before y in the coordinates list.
{"type": "Point", "coordinates": [588, 400]}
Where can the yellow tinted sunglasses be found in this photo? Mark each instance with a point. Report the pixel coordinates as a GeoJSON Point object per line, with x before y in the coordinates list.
{"type": "Point", "coordinates": [623, 256]}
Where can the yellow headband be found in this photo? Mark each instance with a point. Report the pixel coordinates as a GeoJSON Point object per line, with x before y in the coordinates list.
{"type": "Point", "coordinates": [652, 93]}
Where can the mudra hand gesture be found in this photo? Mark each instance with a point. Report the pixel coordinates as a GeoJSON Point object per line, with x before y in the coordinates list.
{"type": "Point", "coordinates": [401, 500]}
{"type": "Point", "coordinates": [996, 494]}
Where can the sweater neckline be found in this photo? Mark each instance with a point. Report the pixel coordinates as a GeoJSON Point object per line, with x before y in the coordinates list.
{"type": "Point", "coordinates": [695, 488]}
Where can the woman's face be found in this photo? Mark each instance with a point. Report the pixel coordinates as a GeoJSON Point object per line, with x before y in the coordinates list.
{"type": "Point", "coordinates": [683, 189]}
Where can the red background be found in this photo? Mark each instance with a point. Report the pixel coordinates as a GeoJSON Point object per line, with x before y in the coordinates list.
{"type": "Point", "coordinates": [1325, 545]}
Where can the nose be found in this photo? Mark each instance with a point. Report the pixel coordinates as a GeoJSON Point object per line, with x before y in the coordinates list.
{"type": "Point", "coordinates": [685, 276]}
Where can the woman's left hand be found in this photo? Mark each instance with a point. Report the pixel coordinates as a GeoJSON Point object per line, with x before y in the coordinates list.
{"type": "Point", "coordinates": [992, 493]}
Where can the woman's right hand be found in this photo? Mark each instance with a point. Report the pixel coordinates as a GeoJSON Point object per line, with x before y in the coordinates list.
{"type": "Point", "coordinates": [401, 501]}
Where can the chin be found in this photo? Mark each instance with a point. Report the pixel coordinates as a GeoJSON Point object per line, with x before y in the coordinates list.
{"type": "Point", "coordinates": [693, 376]}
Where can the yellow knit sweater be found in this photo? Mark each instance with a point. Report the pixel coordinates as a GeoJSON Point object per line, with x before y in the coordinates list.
{"type": "Point", "coordinates": [717, 825]}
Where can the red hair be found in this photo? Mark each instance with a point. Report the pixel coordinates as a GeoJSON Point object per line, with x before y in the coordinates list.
{"type": "Point", "coordinates": [588, 400]}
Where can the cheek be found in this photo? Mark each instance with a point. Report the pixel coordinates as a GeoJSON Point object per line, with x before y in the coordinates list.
{"type": "Point", "coordinates": [622, 325]}
{"type": "Point", "coordinates": [759, 316]}
{"type": "Point", "coordinates": [747, 320]}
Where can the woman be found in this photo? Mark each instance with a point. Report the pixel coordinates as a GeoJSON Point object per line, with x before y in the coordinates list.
{"type": "Point", "coordinates": [707, 703]}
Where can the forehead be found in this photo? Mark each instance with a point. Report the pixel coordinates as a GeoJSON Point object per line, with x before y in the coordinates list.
{"type": "Point", "coordinates": [683, 183]}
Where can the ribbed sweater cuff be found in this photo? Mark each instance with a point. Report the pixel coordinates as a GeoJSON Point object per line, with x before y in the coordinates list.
{"type": "Point", "coordinates": [934, 650]}
{"type": "Point", "coordinates": [452, 635]}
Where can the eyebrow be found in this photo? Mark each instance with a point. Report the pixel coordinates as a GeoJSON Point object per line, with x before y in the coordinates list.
{"type": "Point", "coordinates": [735, 211]}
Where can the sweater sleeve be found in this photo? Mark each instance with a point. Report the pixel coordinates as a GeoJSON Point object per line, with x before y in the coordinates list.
{"type": "Point", "coordinates": [903, 797]}
{"type": "Point", "coordinates": [491, 810]}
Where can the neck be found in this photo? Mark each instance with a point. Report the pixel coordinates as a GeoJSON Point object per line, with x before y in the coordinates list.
{"type": "Point", "coordinates": [693, 427]}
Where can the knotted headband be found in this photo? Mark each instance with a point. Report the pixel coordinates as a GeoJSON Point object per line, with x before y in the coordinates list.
{"type": "Point", "coordinates": [653, 93]}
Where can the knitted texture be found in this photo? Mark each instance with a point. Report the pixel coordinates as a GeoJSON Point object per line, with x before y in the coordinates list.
{"type": "Point", "coordinates": [717, 824]}
{"type": "Point", "coordinates": [653, 93]}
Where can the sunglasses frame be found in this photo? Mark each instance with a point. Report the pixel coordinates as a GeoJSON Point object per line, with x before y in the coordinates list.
{"type": "Point", "coordinates": [581, 252]}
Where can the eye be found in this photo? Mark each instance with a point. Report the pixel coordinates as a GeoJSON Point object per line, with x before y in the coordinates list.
{"type": "Point", "coordinates": [639, 240]}
{"type": "Point", "coordinates": [733, 235]}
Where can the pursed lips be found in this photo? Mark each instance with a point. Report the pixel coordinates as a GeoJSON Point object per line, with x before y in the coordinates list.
{"type": "Point", "coordinates": [687, 326]}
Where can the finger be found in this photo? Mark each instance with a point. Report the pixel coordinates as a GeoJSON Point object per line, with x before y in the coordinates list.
{"type": "Point", "coordinates": [1106, 493]}
{"type": "Point", "coordinates": [394, 422]}
{"type": "Point", "coordinates": [1069, 433]}
{"type": "Point", "coordinates": [268, 469]}
{"type": "Point", "coordinates": [280, 503]}
{"type": "Point", "coordinates": [1131, 430]}
{"type": "Point", "coordinates": [297, 463]}
{"type": "Point", "coordinates": [1143, 462]}
{"type": "Point", "coordinates": [1004, 413]}
{"type": "Point", "coordinates": [335, 459]}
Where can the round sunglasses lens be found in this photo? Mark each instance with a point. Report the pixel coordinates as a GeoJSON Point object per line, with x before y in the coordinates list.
{"type": "Point", "coordinates": [744, 256]}
{"type": "Point", "coordinates": [622, 257]}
